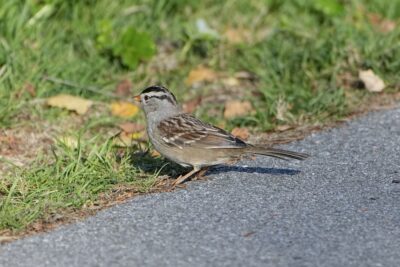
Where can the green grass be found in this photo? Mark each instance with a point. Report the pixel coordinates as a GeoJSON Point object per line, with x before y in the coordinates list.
{"type": "Point", "coordinates": [73, 178]}
{"type": "Point", "coordinates": [298, 63]}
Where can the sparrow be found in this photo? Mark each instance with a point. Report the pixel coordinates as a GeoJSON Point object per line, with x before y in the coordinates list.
{"type": "Point", "coordinates": [190, 142]}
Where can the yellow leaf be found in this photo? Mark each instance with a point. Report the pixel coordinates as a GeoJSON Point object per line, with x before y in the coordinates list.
{"type": "Point", "coordinates": [230, 81]}
{"type": "Point", "coordinates": [136, 136]}
{"type": "Point", "coordinates": [201, 74]}
{"type": "Point", "coordinates": [70, 102]}
{"type": "Point", "coordinates": [235, 108]}
{"type": "Point", "coordinates": [155, 154]}
{"type": "Point", "coordinates": [124, 109]}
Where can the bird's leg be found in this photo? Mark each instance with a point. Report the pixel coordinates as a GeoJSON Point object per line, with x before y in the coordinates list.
{"type": "Point", "coordinates": [201, 172]}
{"type": "Point", "coordinates": [181, 178]}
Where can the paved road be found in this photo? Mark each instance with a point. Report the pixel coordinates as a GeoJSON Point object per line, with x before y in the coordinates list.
{"type": "Point", "coordinates": [339, 208]}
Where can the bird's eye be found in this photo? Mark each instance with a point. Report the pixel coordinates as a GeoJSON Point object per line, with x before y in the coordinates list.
{"type": "Point", "coordinates": [146, 97]}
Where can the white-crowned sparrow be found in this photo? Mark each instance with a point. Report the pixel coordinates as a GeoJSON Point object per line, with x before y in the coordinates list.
{"type": "Point", "coordinates": [188, 141]}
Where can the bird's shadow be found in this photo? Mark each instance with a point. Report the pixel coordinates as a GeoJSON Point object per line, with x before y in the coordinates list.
{"type": "Point", "coordinates": [259, 170]}
{"type": "Point", "coordinates": [149, 164]}
{"type": "Point", "coordinates": [162, 166]}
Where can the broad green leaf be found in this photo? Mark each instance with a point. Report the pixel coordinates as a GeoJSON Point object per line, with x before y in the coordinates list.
{"type": "Point", "coordinates": [329, 7]}
{"type": "Point", "coordinates": [134, 46]}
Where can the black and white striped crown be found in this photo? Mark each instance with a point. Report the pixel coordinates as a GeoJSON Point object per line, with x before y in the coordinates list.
{"type": "Point", "coordinates": [160, 92]}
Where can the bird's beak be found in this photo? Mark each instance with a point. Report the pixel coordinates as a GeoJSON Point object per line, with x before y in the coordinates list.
{"type": "Point", "coordinates": [137, 98]}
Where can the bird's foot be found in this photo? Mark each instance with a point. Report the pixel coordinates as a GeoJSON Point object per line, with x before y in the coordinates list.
{"type": "Point", "coordinates": [201, 173]}
{"type": "Point", "coordinates": [182, 179]}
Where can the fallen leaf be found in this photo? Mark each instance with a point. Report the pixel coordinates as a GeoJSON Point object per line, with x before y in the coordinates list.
{"type": "Point", "coordinates": [372, 82]}
{"type": "Point", "coordinates": [236, 35]}
{"type": "Point", "coordinates": [236, 108]}
{"type": "Point", "coordinates": [70, 102]}
{"type": "Point", "coordinates": [124, 109]}
{"type": "Point", "coordinates": [30, 89]}
{"type": "Point", "coordinates": [191, 105]}
{"type": "Point", "coordinates": [242, 133]}
{"type": "Point", "coordinates": [137, 136]}
{"type": "Point", "coordinates": [387, 26]}
{"type": "Point", "coordinates": [130, 127]}
{"type": "Point", "coordinates": [230, 81]}
{"type": "Point", "coordinates": [123, 88]}
{"type": "Point", "coordinates": [201, 74]}
{"type": "Point", "coordinates": [155, 153]}
{"type": "Point", "coordinates": [381, 24]}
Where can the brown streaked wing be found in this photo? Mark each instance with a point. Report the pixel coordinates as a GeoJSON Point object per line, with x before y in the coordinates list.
{"type": "Point", "coordinates": [184, 130]}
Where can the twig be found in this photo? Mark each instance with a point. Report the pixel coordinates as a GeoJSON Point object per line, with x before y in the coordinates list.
{"type": "Point", "coordinates": [88, 88]}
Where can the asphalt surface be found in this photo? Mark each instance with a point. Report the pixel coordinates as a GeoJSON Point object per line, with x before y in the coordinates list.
{"type": "Point", "coordinates": [339, 208]}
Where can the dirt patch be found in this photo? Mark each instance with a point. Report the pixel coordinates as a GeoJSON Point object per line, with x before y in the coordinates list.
{"type": "Point", "coordinates": [20, 146]}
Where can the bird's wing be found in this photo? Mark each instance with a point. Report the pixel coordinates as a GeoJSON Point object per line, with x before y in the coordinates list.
{"type": "Point", "coordinates": [184, 130]}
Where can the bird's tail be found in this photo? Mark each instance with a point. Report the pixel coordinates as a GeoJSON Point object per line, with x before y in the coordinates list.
{"type": "Point", "coordinates": [276, 152]}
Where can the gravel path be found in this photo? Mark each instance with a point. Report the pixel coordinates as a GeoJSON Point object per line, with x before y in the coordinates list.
{"type": "Point", "coordinates": [339, 208]}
